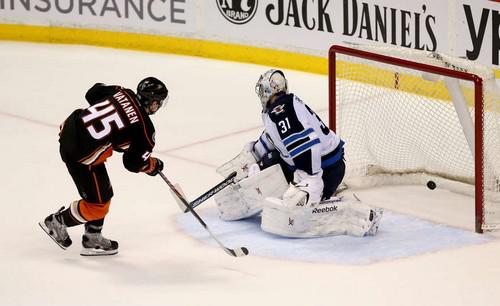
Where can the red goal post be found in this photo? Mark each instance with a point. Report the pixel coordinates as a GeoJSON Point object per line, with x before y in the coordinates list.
{"type": "Point", "coordinates": [394, 80]}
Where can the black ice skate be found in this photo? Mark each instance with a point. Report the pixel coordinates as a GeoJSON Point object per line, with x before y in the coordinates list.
{"type": "Point", "coordinates": [94, 244]}
{"type": "Point", "coordinates": [54, 226]}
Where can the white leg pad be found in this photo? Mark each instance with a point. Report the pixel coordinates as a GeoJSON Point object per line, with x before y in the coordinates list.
{"type": "Point", "coordinates": [340, 216]}
{"type": "Point", "coordinates": [246, 198]}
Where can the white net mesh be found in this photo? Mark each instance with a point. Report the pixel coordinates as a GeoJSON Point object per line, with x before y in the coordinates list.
{"type": "Point", "coordinates": [401, 125]}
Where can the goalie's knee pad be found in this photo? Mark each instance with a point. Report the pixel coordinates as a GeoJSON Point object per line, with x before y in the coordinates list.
{"type": "Point", "coordinates": [246, 198]}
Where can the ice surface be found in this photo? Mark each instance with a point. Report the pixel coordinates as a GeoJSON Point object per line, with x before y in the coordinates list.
{"type": "Point", "coordinates": [212, 112]}
{"type": "Point", "coordinates": [399, 236]}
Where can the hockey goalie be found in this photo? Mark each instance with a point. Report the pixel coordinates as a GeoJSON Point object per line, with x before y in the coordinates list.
{"type": "Point", "coordinates": [290, 174]}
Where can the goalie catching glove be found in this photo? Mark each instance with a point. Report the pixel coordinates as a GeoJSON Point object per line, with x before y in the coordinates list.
{"type": "Point", "coordinates": [241, 163]}
{"type": "Point", "coordinates": [305, 189]}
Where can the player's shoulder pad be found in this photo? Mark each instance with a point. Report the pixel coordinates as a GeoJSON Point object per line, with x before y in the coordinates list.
{"type": "Point", "coordinates": [99, 92]}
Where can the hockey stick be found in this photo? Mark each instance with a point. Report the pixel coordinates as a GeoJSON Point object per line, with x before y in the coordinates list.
{"type": "Point", "coordinates": [342, 187]}
{"type": "Point", "coordinates": [210, 193]}
{"type": "Point", "coordinates": [233, 252]}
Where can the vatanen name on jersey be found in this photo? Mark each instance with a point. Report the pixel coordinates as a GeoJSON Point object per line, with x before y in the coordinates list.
{"type": "Point", "coordinates": [127, 107]}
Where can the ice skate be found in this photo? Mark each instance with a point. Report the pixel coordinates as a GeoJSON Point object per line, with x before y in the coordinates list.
{"type": "Point", "coordinates": [95, 244]}
{"type": "Point", "coordinates": [376, 216]}
{"type": "Point", "coordinates": [54, 226]}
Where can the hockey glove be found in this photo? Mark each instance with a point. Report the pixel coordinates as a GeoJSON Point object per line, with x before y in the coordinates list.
{"type": "Point", "coordinates": [156, 166]}
{"type": "Point", "coordinates": [310, 184]}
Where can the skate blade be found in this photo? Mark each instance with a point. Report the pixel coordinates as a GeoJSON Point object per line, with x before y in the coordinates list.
{"type": "Point", "coordinates": [97, 252]}
{"type": "Point", "coordinates": [47, 231]}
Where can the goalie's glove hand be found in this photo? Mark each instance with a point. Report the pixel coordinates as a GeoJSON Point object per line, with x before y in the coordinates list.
{"type": "Point", "coordinates": [156, 167]}
{"type": "Point", "coordinates": [310, 184]}
{"type": "Point", "coordinates": [295, 197]}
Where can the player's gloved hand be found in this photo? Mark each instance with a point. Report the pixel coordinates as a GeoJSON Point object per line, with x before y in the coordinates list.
{"type": "Point", "coordinates": [156, 168]}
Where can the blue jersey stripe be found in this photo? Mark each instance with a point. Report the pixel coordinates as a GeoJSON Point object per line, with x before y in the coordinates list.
{"type": "Point", "coordinates": [263, 143]}
{"type": "Point", "coordinates": [294, 137]}
{"type": "Point", "coordinates": [304, 147]}
{"type": "Point", "coordinates": [337, 155]}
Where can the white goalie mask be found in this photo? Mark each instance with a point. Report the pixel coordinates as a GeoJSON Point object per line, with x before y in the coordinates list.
{"type": "Point", "coordinates": [270, 83]}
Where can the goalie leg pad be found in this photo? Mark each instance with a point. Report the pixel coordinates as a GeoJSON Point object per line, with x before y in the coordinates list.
{"type": "Point", "coordinates": [338, 216]}
{"type": "Point", "coordinates": [246, 198]}
{"type": "Point", "coordinates": [231, 205]}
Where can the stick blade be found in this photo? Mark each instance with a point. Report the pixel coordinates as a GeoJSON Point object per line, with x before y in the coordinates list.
{"type": "Point", "coordinates": [238, 252]}
{"type": "Point", "coordinates": [232, 175]}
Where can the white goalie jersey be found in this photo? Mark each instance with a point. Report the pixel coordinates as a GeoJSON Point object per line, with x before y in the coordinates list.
{"type": "Point", "coordinates": [307, 146]}
{"type": "Point", "coordinates": [298, 134]}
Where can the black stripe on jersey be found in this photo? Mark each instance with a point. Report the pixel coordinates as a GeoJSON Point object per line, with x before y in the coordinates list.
{"type": "Point", "coordinates": [297, 143]}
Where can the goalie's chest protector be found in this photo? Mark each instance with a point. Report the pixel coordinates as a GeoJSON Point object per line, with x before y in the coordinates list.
{"type": "Point", "coordinates": [294, 129]}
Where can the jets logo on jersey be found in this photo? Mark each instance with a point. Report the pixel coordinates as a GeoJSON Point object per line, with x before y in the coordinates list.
{"type": "Point", "coordinates": [278, 109]}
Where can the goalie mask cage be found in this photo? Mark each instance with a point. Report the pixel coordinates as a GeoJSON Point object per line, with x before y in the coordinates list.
{"type": "Point", "coordinates": [409, 116]}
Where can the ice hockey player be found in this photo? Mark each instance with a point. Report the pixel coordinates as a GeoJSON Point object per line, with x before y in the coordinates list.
{"type": "Point", "coordinates": [292, 171]}
{"type": "Point", "coordinates": [116, 120]}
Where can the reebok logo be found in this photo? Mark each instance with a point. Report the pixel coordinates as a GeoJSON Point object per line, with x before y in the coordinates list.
{"type": "Point", "coordinates": [325, 209]}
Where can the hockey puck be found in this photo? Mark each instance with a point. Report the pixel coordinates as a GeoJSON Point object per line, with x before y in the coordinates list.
{"type": "Point", "coordinates": [431, 185]}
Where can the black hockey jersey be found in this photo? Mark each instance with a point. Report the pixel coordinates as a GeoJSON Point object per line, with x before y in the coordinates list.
{"type": "Point", "coordinates": [114, 121]}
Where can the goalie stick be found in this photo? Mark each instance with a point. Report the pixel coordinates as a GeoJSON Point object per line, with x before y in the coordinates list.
{"type": "Point", "coordinates": [210, 193]}
{"type": "Point", "coordinates": [233, 252]}
{"type": "Point", "coordinates": [342, 187]}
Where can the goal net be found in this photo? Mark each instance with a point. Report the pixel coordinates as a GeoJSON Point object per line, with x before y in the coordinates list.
{"type": "Point", "coordinates": [410, 116]}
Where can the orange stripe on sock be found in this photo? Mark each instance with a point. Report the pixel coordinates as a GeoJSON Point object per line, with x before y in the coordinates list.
{"type": "Point", "coordinates": [93, 211]}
